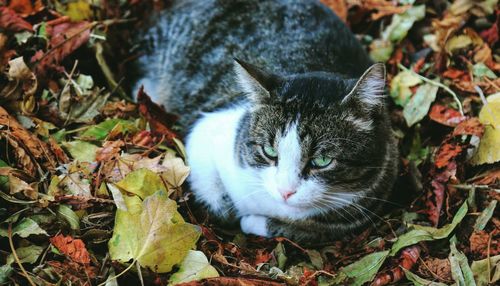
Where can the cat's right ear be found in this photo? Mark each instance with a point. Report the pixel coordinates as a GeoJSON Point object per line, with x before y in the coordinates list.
{"type": "Point", "coordinates": [256, 83]}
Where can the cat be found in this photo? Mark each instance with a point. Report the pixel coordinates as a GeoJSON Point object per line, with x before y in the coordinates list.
{"type": "Point", "coordinates": [287, 129]}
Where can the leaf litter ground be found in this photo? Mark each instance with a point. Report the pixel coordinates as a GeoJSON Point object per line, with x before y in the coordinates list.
{"type": "Point", "coordinates": [91, 182]}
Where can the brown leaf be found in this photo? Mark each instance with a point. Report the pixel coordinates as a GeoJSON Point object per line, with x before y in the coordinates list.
{"type": "Point", "coordinates": [470, 126]}
{"type": "Point", "coordinates": [78, 274]}
{"type": "Point", "coordinates": [65, 38]}
{"type": "Point", "coordinates": [480, 244]}
{"type": "Point", "coordinates": [72, 248]}
{"type": "Point", "coordinates": [407, 260]}
{"type": "Point", "coordinates": [441, 268]}
{"type": "Point", "coordinates": [10, 21]}
{"type": "Point", "coordinates": [445, 115]}
{"type": "Point", "coordinates": [338, 6]}
{"type": "Point", "coordinates": [232, 281]}
{"type": "Point", "coordinates": [159, 120]}
{"type": "Point", "coordinates": [109, 150]}
{"type": "Point", "coordinates": [446, 153]}
{"type": "Point", "coordinates": [26, 7]}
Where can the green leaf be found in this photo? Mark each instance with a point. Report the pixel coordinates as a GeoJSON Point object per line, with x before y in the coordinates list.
{"type": "Point", "coordinates": [316, 259]}
{"type": "Point", "coordinates": [81, 151]}
{"type": "Point", "coordinates": [460, 270]}
{"type": "Point", "coordinates": [4, 180]}
{"type": "Point", "coordinates": [381, 50]}
{"type": "Point", "coordinates": [400, 87]}
{"type": "Point", "coordinates": [142, 182]}
{"type": "Point", "coordinates": [28, 254]}
{"type": "Point", "coordinates": [482, 270]}
{"type": "Point", "coordinates": [363, 270]}
{"type": "Point", "coordinates": [485, 216]}
{"type": "Point", "coordinates": [152, 233]}
{"type": "Point", "coordinates": [417, 152]}
{"type": "Point", "coordinates": [280, 252]}
{"type": "Point", "coordinates": [5, 272]}
{"type": "Point", "coordinates": [419, 281]}
{"type": "Point", "coordinates": [426, 233]}
{"type": "Point", "coordinates": [194, 267]}
{"type": "Point", "coordinates": [27, 227]}
{"type": "Point", "coordinates": [418, 106]}
{"type": "Point", "coordinates": [70, 216]}
{"type": "Point", "coordinates": [101, 130]}
{"type": "Point", "coordinates": [481, 70]}
{"type": "Point", "coordinates": [402, 23]}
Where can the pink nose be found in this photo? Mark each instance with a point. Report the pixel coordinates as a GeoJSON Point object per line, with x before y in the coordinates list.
{"type": "Point", "coordinates": [287, 194]}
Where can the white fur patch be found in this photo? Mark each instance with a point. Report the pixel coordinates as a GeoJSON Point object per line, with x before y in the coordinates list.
{"type": "Point", "coordinates": [289, 160]}
{"type": "Point", "coordinates": [254, 224]}
{"type": "Point", "coordinates": [361, 124]}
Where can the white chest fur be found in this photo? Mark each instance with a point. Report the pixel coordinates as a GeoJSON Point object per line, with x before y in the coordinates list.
{"type": "Point", "coordinates": [215, 172]}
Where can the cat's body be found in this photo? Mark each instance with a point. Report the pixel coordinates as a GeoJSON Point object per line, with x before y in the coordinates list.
{"type": "Point", "coordinates": [304, 150]}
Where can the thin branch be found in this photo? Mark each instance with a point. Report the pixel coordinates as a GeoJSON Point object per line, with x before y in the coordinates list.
{"type": "Point", "coordinates": [18, 261]}
{"type": "Point", "coordinates": [438, 84]}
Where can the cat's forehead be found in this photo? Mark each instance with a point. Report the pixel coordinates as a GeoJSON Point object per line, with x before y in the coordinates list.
{"type": "Point", "coordinates": [318, 88]}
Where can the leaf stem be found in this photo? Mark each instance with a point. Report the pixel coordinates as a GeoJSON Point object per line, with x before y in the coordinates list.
{"type": "Point", "coordinates": [119, 274]}
{"type": "Point", "coordinates": [18, 261]}
{"type": "Point", "coordinates": [438, 84]}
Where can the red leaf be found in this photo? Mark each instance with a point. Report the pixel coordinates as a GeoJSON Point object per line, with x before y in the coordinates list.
{"type": "Point", "coordinates": [159, 120]}
{"type": "Point", "coordinates": [471, 126]}
{"type": "Point", "coordinates": [10, 21]}
{"type": "Point", "coordinates": [446, 153]}
{"type": "Point", "coordinates": [408, 258]}
{"type": "Point", "coordinates": [26, 7]}
{"type": "Point", "coordinates": [445, 115]}
{"type": "Point", "coordinates": [73, 248]}
{"type": "Point", "coordinates": [490, 35]}
{"type": "Point", "coordinates": [65, 38]}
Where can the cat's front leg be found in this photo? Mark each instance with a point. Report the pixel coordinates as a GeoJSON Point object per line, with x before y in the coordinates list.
{"type": "Point", "coordinates": [255, 224]}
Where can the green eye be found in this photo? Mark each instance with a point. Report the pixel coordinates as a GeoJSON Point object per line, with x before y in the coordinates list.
{"type": "Point", "coordinates": [270, 152]}
{"type": "Point", "coordinates": [321, 162]}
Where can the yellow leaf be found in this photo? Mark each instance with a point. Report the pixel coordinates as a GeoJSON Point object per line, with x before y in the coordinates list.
{"type": "Point", "coordinates": [79, 10]}
{"type": "Point", "coordinates": [489, 150]}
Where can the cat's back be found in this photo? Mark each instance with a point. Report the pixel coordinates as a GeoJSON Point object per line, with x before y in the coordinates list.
{"type": "Point", "coordinates": [187, 61]}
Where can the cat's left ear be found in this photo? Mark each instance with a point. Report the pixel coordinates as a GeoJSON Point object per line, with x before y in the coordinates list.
{"type": "Point", "coordinates": [257, 83]}
{"type": "Point", "coordinates": [369, 91]}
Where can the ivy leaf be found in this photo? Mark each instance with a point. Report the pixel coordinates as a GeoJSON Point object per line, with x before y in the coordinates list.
{"type": "Point", "coordinates": [142, 182]}
{"type": "Point", "coordinates": [152, 233]}
{"type": "Point", "coordinates": [488, 151]}
{"type": "Point", "coordinates": [426, 233]}
{"type": "Point", "coordinates": [194, 267]}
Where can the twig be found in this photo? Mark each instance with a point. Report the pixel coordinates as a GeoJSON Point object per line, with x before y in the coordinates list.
{"type": "Point", "coordinates": [14, 253]}
{"type": "Point", "coordinates": [119, 274]}
{"type": "Point", "coordinates": [438, 84]}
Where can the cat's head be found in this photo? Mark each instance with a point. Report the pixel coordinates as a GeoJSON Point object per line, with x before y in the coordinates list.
{"type": "Point", "coordinates": [315, 139]}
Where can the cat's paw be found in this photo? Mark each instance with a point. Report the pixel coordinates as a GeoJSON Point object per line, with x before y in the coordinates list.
{"type": "Point", "coordinates": [254, 224]}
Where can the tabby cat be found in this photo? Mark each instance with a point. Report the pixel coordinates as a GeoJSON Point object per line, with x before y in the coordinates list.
{"type": "Point", "coordinates": [287, 128]}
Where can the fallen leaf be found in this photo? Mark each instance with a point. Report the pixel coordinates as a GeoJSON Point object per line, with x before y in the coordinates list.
{"type": "Point", "coordinates": [194, 267]}
{"type": "Point", "coordinates": [446, 153]}
{"type": "Point", "coordinates": [10, 21]}
{"type": "Point", "coordinates": [483, 269]}
{"type": "Point", "coordinates": [159, 120]}
{"type": "Point", "coordinates": [27, 254]}
{"type": "Point", "coordinates": [418, 106]}
{"type": "Point", "coordinates": [419, 281]}
{"type": "Point", "coordinates": [81, 151]}
{"type": "Point", "coordinates": [488, 151]}
{"type": "Point", "coordinates": [73, 248]}
{"type": "Point", "coordinates": [363, 270]}
{"type": "Point", "coordinates": [26, 7]}
{"type": "Point", "coordinates": [485, 216]}
{"type": "Point", "coordinates": [445, 115]}
{"type": "Point", "coordinates": [460, 270]}
{"type": "Point", "coordinates": [103, 129]}
{"type": "Point", "coordinates": [141, 182]}
{"type": "Point", "coordinates": [152, 233]}
{"type": "Point", "coordinates": [408, 258]}
{"type": "Point", "coordinates": [400, 87]}
{"type": "Point", "coordinates": [420, 233]}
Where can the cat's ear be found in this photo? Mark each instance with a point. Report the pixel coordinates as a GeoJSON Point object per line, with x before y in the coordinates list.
{"type": "Point", "coordinates": [258, 84]}
{"type": "Point", "coordinates": [369, 90]}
